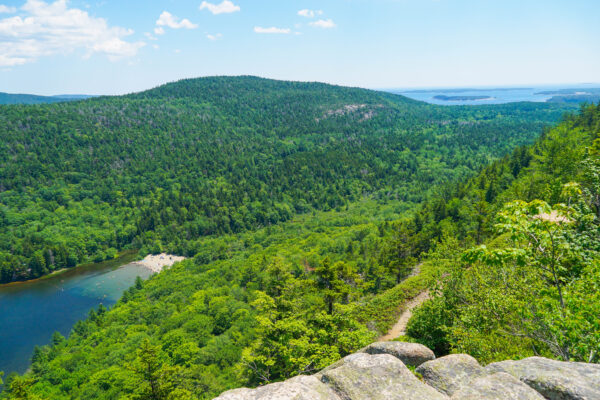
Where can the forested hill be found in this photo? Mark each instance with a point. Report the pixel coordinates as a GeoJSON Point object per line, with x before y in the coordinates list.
{"type": "Point", "coordinates": [225, 90]}
{"type": "Point", "coordinates": [157, 170]}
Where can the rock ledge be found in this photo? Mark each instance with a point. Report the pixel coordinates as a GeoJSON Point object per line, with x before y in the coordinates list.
{"type": "Point", "coordinates": [380, 372]}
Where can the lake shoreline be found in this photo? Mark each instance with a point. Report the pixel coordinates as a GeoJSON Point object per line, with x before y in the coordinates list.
{"type": "Point", "coordinates": [157, 262]}
{"type": "Point", "coordinates": [125, 257]}
{"type": "Point", "coordinates": [31, 311]}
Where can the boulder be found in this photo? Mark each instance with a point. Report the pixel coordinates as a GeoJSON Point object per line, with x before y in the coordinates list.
{"type": "Point", "coordinates": [377, 372]}
{"type": "Point", "coordinates": [298, 388]}
{"type": "Point", "coordinates": [555, 380]}
{"type": "Point", "coordinates": [411, 354]}
{"type": "Point", "coordinates": [239, 394]}
{"type": "Point", "coordinates": [450, 373]}
{"type": "Point", "coordinates": [363, 376]}
{"type": "Point", "coordinates": [498, 386]}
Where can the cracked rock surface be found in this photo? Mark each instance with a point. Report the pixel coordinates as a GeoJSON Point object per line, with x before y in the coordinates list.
{"type": "Point", "coordinates": [555, 380]}
{"type": "Point", "coordinates": [380, 372]}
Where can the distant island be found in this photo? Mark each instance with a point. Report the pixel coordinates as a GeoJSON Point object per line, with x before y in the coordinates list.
{"type": "Point", "coordinates": [462, 90]}
{"type": "Point", "coordinates": [575, 98]}
{"type": "Point", "coordinates": [576, 91]}
{"type": "Point", "coordinates": [588, 95]}
{"type": "Point", "coordinates": [461, 98]}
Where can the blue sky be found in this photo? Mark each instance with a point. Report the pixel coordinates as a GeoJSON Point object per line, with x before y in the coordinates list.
{"type": "Point", "coordinates": [114, 47]}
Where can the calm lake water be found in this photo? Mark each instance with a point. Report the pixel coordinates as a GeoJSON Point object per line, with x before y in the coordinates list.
{"type": "Point", "coordinates": [30, 312]}
{"type": "Point", "coordinates": [496, 95]}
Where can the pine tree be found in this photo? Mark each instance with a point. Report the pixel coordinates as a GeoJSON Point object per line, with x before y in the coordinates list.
{"type": "Point", "coordinates": [157, 380]}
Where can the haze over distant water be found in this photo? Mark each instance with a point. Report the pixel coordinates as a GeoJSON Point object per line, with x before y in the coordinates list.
{"type": "Point", "coordinates": [497, 95]}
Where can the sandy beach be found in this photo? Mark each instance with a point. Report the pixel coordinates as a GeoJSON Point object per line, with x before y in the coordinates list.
{"type": "Point", "coordinates": [156, 262]}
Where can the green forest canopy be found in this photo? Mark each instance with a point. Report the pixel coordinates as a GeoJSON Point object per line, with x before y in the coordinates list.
{"type": "Point", "coordinates": [81, 181]}
{"type": "Point", "coordinates": [294, 297]}
{"type": "Point", "coordinates": [276, 297]}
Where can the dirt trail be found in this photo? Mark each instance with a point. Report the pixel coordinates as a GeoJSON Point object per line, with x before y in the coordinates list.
{"type": "Point", "coordinates": [400, 327]}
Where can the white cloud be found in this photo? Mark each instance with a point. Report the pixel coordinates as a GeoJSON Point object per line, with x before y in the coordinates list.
{"type": "Point", "coordinates": [214, 37]}
{"type": "Point", "coordinates": [225, 7]}
{"type": "Point", "coordinates": [149, 36]}
{"type": "Point", "coordinates": [11, 60]}
{"type": "Point", "coordinates": [46, 29]}
{"type": "Point", "coordinates": [169, 20]}
{"type": "Point", "coordinates": [306, 13]}
{"type": "Point", "coordinates": [272, 30]}
{"type": "Point", "coordinates": [323, 23]}
{"type": "Point", "coordinates": [309, 13]}
{"type": "Point", "coordinates": [7, 9]}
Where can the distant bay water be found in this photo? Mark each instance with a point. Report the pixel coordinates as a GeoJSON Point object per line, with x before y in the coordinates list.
{"type": "Point", "coordinates": [31, 311]}
{"type": "Point", "coordinates": [493, 95]}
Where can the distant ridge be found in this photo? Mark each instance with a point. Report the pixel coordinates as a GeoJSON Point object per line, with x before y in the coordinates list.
{"type": "Point", "coordinates": [73, 96]}
{"type": "Point", "coordinates": [18, 98]}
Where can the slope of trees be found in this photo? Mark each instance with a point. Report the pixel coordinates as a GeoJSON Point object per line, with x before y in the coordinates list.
{"type": "Point", "coordinates": [532, 286]}
{"type": "Point", "coordinates": [267, 303]}
{"type": "Point", "coordinates": [247, 309]}
{"type": "Point", "coordinates": [156, 170]}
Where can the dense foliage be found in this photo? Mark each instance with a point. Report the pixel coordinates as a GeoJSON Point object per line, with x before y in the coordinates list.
{"type": "Point", "coordinates": [291, 201]}
{"type": "Point", "coordinates": [279, 301]}
{"type": "Point", "coordinates": [82, 180]}
{"type": "Point", "coordinates": [532, 288]}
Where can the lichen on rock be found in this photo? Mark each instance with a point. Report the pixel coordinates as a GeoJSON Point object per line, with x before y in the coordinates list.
{"type": "Point", "coordinates": [379, 372]}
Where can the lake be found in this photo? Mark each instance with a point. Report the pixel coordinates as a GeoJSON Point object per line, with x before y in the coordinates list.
{"type": "Point", "coordinates": [31, 311]}
{"type": "Point", "coordinates": [496, 95]}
